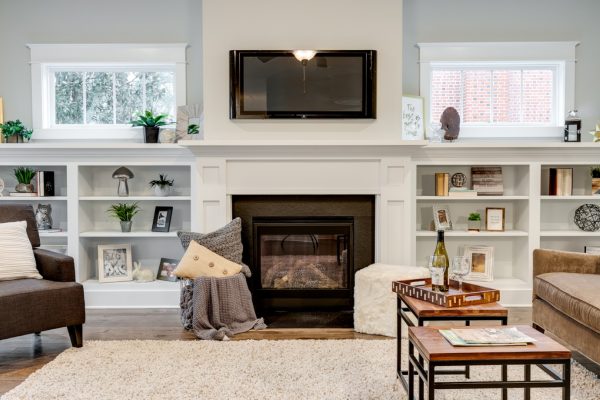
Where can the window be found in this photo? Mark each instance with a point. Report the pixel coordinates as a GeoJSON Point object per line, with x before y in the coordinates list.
{"type": "Point", "coordinates": [94, 91]}
{"type": "Point", "coordinates": [500, 89]}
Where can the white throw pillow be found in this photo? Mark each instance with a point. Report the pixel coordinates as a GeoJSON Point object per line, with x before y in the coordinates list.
{"type": "Point", "coordinates": [16, 254]}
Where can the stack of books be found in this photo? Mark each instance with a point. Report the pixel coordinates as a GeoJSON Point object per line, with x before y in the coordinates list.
{"type": "Point", "coordinates": [462, 192]}
{"type": "Point", "coordinates": [500, 336]}
{"type": "Point", "coordinates": [487, 180]}
{"type": "Point", "coordinates": [561, 182]}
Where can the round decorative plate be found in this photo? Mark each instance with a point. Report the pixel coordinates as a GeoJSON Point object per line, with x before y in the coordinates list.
{"type": "Point", "coordinates": [458, 180]}
{"type": "Point", "coordinates": [587, 217]}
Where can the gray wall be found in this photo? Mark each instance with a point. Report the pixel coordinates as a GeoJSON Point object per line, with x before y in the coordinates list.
{"type": "Point", "coordinates": [91, 21]}
{"type": "Point", "coordinates": [510, 20]}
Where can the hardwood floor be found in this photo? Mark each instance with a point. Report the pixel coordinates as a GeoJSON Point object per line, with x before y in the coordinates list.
{"type": "Point", "coordinates": [21, 356]}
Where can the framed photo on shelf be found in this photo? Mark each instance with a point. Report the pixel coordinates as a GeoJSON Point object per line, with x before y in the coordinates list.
{"type": "Point", "coordinates": [413, 126]}
{"type": "Point", "coordinates": [595, 250]}
{"type": "Point", "coordinates": [162, 219]}
{"type": "Point", "coordinates": [482, 262]}
{"type": "Point", "coordinates": [495, 219]}
{"type": "Point", "coordinates": [114, 263]}
{"type": "Point", "coordinates": [166, 268]}
{"type": "Point", "coordinates": [441, 218]}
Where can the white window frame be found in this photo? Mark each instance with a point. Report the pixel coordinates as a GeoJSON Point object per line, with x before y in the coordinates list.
{"type": "Point", "coordinates": [560, 55]}
{"type": "Point", "coordinates": [45, 58]}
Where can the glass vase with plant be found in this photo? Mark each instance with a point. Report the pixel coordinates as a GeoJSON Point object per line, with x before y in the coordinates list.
{"type": "Point", "coordinates": [15, 132]}
{"type": "Point", "coordinates": [24, 177]}
{"type": "Point", "coordinates": [595, 172]}
{"type": "Point", "coordinates": [474, 222]}
{"type": "Point", "coordinates": [162, 186]}
{"type": "Point", "coordinates": [124, 213]}
{"type": "Point", "coordinates": [151, 123]}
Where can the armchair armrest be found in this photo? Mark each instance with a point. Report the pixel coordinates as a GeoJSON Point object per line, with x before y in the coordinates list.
{"type": "Point", "coordinates": [54, 266]}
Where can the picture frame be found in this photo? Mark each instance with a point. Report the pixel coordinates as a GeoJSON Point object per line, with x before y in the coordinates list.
{"type": "Point", "coordinates": [186, 116]}
{"type": "Point", "coordinates": [413, 118]}
{"type": "Point", "coordinates": [441, 218]}
{"type": "Point", "coordinates": [495, 219]}
{"type": "Point", "coordinates": [482, 263]}
{"type": "Point", "coordinates": [594, 250]}
{"type": "Point", "coordinates": [114, 263]}
{"type": "Point", "coordinates": [166, 266]}
{"type": "Point", "coordinates": [162, 219]}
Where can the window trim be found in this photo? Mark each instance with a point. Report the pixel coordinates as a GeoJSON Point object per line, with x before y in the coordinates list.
{"type": "Point", "coordinates": [46, 56]}
{"type": "Point", "coordinates": [561, 54]}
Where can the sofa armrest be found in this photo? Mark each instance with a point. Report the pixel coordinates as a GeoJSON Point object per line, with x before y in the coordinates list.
{"type": "Point", "coordinates": [54, 266]}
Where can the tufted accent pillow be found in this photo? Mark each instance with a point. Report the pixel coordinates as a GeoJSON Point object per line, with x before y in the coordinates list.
{"type": "Point", "coordinates": [226, 241]}
{"type": "Point", "coordinates": [16, 254]}
{"type": "Point", "coordinates": [199, 261]}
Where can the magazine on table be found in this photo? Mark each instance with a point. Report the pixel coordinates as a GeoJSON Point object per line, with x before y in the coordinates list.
{"type": "Point", "coordinates": [486, 337]}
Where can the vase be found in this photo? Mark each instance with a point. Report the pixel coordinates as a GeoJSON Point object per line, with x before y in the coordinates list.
{"type": "Point", "coordinates": [474, 226]}
{"type": "Point", "coordinates": [24, 188]}
{"type": "Point", "coordinates": [14, 139]}
{"type": "Point", "coordinates": [126, 226]}
{"type": "Point", "coordinates": [595, 185]}
{"type": "Point", "coordinates": [151, 134]}
{"type": "Point", "coordinates": [162, 191]}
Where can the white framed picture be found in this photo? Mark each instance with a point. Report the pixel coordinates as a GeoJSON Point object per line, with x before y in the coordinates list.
{"type": "Point", "coordinates": [413, 124]}
{"type": "Point", "coordinates": [441, 218]}
{"type": "Point", "coordinates": [482, 262]}
{"type": "Point", "coordinates": [114, 263]}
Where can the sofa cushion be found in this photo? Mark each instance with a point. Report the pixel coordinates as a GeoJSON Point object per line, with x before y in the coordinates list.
{"type": "Point", "coordinates": [16, 254]}
{"type": "Point", "coordinates": [576, 295]}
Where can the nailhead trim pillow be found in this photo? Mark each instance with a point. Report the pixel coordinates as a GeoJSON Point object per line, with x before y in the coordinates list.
{"type": "Point", "coordinates": [226, 241]}
{"type": "Point", "coordinates": [199, 261]}
{"type": "Point", "coordinates": [16, 254]}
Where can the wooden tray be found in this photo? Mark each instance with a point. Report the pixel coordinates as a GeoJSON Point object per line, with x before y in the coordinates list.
{"type": "Point", "coordinates": [470, 295]}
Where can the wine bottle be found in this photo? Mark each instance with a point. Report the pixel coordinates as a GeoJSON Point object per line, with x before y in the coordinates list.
{"type": "Point", "coordinates": [440, 260]}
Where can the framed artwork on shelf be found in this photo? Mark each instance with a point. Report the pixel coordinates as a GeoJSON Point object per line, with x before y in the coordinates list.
{"type": "Point", "coordinates": [413, 127]}
{"type": "Point", "coordinates": [114, 263]}
{"type": "Point", "coordinates": [495, 219]}
{"type": "Point", "coordinates": [595, 250]}
{"type": "Point", "coordinates": [189, 122]}
{"type": "Point", "coordinates": [162, 219]}
{"type": "Point", "coordinates": [441, 218]}
{"type": "Point", "coordinates": [166, 268]}
{"type": "Point", "coordinates": [482, 262]}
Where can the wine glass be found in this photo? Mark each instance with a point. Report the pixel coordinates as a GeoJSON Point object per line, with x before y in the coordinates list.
{"type": "Point", "coordinates": [437, 268]}
{"type": "Point", "coordinates": [461, 266]}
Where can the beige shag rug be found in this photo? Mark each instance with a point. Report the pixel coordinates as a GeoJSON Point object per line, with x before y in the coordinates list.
{"type": "Point", "coordinates": [286, 369]}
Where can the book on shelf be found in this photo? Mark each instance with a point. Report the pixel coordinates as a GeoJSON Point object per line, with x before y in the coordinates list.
{"type": "Point", "coordinates": [442, 183]}
{"type": "Point", "coordinates": [45, 183]}
{"type": "Point", "coordinates": [486, 337]}
{"type": "Point", "coordinates": [462, 192]}
{"type": "Point", "coordinates": [20, 194]}
{"type": "Point", "coordinates": [487, 180]}
{"type": "Point", "coordinates": [560, 182]}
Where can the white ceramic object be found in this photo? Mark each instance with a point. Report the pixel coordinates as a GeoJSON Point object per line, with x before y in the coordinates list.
{"type": "Point", "coordinates": [162, 191]}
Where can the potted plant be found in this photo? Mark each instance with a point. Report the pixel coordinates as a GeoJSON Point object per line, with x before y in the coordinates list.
{"type": "Point", "coordinates": [24, 176]}
{"type": "Point", "coordinates": [151, 124]}
{"type": "Point", "coordinates": [474, 222]}
{"type": "Point", "coordinates": [162, 185]}
{"type": "Point", "coordinates": [124, 213]}
{"type": "Point", "coordinates": [595, 172]}
{"type": "Point", "coordinates": [15, 132]}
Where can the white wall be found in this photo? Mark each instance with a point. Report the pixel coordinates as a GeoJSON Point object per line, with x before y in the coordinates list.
{"type": "Point", "coordinates": [88, 21]}
{"type": "Point", "coordinates": [305, 24]}
{"type": "Point", "coordinates": [510, 20]}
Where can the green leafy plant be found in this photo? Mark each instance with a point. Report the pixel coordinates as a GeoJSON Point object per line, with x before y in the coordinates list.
{"type": "Point", "coordinates": [474, 217]}
{"type": "Point", "coordinates": [149, 119]}
{"type": "Point", "coordinates": [193, 129]}
{"type": "Point", "coordinates": [162, 181]}
{"type": "Point", "coordinates": [124, 211]}
{"type": "Point", "coordinates": [24, 175]}
{"type": "Point", "coordinates": [11, 128]}
{"type": "Point", "coordinates": [595, 171]}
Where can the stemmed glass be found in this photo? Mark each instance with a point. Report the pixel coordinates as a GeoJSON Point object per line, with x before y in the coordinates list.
{"type": "Point", "coordinates": [461, 266]}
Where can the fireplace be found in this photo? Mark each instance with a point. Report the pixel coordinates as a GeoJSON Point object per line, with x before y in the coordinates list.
{"type": "Point", "coordinates": [303, 251]}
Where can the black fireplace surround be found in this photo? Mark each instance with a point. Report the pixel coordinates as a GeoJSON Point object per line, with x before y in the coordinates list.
{"type": "Point", "coordinates": [303, 251]}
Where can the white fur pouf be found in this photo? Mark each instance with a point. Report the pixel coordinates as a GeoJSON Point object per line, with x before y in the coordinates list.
{"type": "Point", "coordinates": [374, 302]}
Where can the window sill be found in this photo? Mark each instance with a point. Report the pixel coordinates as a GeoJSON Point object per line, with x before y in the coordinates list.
{"type": "Point", "coordinates": [128, 134]}
{"type": "Point", "coordinates": [510, 132]}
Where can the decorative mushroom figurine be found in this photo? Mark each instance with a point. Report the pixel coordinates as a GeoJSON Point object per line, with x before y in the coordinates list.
{"type": "Point", "coordinates": [122, 174]}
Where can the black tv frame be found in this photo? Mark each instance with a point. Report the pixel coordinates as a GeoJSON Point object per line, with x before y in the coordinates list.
{"type": "Point", "coordinates": [236, 99]}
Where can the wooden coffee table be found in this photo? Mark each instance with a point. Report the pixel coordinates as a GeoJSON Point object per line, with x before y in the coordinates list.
{"type": "Point", "coordinates": [436, 351]}
{"type": "Point", "coordinates": [410, 308]}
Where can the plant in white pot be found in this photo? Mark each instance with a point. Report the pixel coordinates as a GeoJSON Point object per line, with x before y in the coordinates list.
{"type": "Point", "coordinates": [24, 177]}
{"type": "Point", "coordinates": [474, 222]}
{"type": "Point", "coordinates": [124, 213]}
{"type": "Point", "coordinates": [162, 186]}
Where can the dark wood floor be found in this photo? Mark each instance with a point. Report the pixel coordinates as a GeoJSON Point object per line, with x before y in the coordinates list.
{"type": "Point", "coordinates": [21, 356]}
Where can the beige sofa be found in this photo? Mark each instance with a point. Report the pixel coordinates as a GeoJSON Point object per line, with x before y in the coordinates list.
{"type": "Point", "coordinates": [566, 299]}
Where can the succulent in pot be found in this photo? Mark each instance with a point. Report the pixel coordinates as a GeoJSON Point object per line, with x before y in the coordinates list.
{"type": "Point", "coordinates": [162, 186]}
{"type": "Point", "coordinates": [151, 123]}
{"type": "Point", "coordinates": [15, 132]}
{"type": "Point", "coordinates": [24, 177]}
{"type": "Point", "coordinates": [474, 222]}
{"type": "Point", "coordinates": [124, 213]}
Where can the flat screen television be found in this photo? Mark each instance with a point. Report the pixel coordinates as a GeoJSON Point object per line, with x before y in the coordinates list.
{"type": "Point", "coordinates": [277, 84]}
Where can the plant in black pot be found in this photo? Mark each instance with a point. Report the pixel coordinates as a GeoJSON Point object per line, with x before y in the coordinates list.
{"type": "Point", "coordinates": [15, 132]}
{"type": "Point", "coordinates": [124, 213]}
{"type": "Point", "coordinates": [24, 177]}
{"type": "Point", "coordinates": [151, 123]}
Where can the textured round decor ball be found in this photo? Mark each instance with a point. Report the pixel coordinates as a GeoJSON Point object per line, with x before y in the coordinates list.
{"type": "Point", "coordinates": [587, 217]}
{"type": "Point", "coordinates": [458, 180]}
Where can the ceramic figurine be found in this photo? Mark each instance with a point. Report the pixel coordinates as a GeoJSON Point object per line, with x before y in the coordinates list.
{"type": "Point", "coordinates": [450, 121]}
{"type": "Point", "coordinates": [142, 275]}
{"type": "Point", "coordinates": [43, 216]}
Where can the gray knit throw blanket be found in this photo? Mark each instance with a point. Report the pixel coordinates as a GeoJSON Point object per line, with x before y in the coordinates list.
{"type": "Point", "coordinates": [218, 308]}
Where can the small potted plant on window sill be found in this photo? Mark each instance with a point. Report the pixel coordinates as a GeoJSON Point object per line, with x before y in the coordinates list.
{"type": "Point", "coordinates": [474, 222]}
{"type": "Point", "coordinates": [24, 177]}
{"type": "Point", "coordinates": [151, 124]}
{"type": "Point", "coordinates": [15, 132]}
{"type": "Point", "coordinates": [124, 213]}
{"type": "Point", "coordinates": [595, 172]}
{"type": "Point", "coordinates": [162, 186]}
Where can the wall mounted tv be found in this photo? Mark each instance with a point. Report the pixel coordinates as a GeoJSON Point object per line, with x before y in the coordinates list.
{"type": "Point", "coordinates": [285, 84]}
